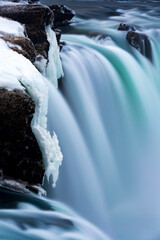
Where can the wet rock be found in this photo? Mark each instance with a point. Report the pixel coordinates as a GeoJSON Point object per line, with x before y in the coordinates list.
{"type": "Point", "coordinates": [126, 27]}
{"type": "Point", "coordinates": [20, 156]}
{"type": "Point", "coordinates": [62, 15]}
{"type": "Point", "coordinates": [140, 42]}
{"type": "Point", "coordinates": [22, 45]}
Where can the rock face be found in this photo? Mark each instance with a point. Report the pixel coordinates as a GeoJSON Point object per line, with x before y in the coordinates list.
{"type": "Point", "coordinates": [22, 45]}
{"type": "Point", "coordinates": [140, 42]}
{"type": "Point", "coordinates": [28, 14]}
{"type": "Point", "coordinates": [20, 156]}
{"type": "Point", "coordinates": [35, 17]}
{"type": "Point", "coordinates": [62, 15]}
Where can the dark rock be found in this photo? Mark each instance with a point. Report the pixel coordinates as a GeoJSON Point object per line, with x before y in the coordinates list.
{"type": "Point", "coordinates": [42, 48]}
{"type": "Point", "coordinates": [25, 1]}
{"type": "Point", "coordinates": [36, 33]}
{"type": "Point", "coordinates": [140, 42]}
{"type": "Point", "coordinates": [126, 27]}
{"type": "Point", "coordinates": [32, 1]}
{"type": "Point", "coordinates": [35, 17]}
{"type": "Point", "coordinates": [22, 45]}
{"type": "Point", "coordinates": [62, 15]}
{"type": "Point", "coordinates": [20, 156]}
{"type": "Point", "coordinates": [28, 14]}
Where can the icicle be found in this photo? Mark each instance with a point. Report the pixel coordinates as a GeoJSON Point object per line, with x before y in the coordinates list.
{"type": "Point", "coordinates": [54, 68]}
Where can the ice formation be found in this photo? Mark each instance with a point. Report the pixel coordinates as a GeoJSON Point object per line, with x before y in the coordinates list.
{"type": "Point", "coordinates": [54, 68]}
{"type": "Point", "coordinates": [22, 74]}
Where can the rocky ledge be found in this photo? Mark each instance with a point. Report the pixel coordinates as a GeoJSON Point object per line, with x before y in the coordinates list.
{"type": "Point", "coordinates": [20, 156]}
{"type": "Point", "coordinates": [21, 164]}
{"type": "Point", "coordinates": [36, 18]}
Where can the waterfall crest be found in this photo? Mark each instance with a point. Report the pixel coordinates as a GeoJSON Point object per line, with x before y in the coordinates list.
{"type": "Point", "coordinates": [122, 89]}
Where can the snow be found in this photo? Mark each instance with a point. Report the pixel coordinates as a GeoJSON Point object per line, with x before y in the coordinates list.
{"type": "Point", "coordinates": [11, 27]}
{"type": "Point", "coordinates": [22, 74]}
{"type": "Point", "coordinates": [11, 45]}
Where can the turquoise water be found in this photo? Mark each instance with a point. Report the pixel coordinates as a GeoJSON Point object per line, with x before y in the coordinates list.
{"type": "Point", "coordinates": [111, 121]}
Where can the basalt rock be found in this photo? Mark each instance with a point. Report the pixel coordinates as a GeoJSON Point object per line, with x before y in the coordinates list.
{"type": "Point", "coordinates": [20, 156]}
{"type": "Point", "coordinates": [126, 27]}
{"type": "Point", "coordinates": [62, 15]}
{"type": "Point", "coordinates": [22, 45]}
{"type": "Point", "coordinates": [140, 42]}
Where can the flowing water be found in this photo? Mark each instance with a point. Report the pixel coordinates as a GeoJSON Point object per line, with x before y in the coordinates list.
{"type": "Point", "coordinates": [106, 115]}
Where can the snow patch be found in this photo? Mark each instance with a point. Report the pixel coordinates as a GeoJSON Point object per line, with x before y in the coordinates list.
{"type": "Point", "coordinates": [11, 27]}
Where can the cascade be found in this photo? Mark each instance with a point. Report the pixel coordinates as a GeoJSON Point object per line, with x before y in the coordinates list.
{"type": "Point", "coordinates": [109, 82]}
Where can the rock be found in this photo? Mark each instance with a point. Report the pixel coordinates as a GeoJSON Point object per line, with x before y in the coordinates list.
{"type": "Point", "coordinates": [28, 14]}
{"type": "Point", "coordinates": [140, 42]}
{"type": "Point", "coordinates": [62, 15]}
{"type": "Point", "coordinates": [22, 45]}
{"type": "Point", "coordinates": [126, 27]}
{"type": "Point", "coordinates": [25, 1]}
{"type": "Point", "coordinates": [20, 156]}
{"type": "Point", "coordinates": [35, 17]}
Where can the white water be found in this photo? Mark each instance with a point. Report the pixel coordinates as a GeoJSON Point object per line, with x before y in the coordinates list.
{"type": "Point", "coordinates": [114, 104]}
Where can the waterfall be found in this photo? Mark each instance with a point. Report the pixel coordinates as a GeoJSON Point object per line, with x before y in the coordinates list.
{"type": "Point", "coordinates": [108, 125]}
{"type": "Point", "coordinates": [106, 114]}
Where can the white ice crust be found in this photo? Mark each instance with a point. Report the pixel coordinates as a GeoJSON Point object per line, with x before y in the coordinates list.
{"type": "Point", "coordinates": [17, 72]}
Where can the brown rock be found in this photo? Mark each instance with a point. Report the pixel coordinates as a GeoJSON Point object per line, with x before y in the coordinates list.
{"type": "Point", "coordinates": [20, 156]}
{"type": "Point", "coordinates": [22, 45]}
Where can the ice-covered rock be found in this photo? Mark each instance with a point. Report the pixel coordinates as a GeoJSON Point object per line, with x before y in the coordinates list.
{"type": "Point", "coordinates": [22, 45]}
{"type": "Point", "coordinates": [21, 76]}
